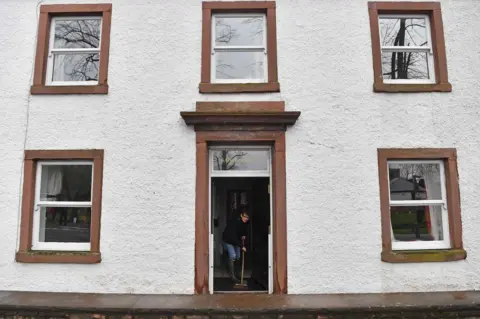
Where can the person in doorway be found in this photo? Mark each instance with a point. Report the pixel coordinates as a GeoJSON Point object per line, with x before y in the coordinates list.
{"type": "Point", "coordinates": [234, 237]}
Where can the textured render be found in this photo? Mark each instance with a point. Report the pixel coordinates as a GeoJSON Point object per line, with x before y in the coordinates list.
{"type": "Point", "coordinates": [325, 71]}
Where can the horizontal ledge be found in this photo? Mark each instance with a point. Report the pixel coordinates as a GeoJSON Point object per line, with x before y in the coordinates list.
{"type": "Point", "coordinates": [76, 8]}
{"type": "Point", "coordinates": [63, 154]}
{"type": "Point", "coordinates": [238, 5]}
{"type": "Point", "coordinates": [418, 256]}
{"type": "Point", "coordinates": [227, 118]}
{"type": "Point", "coordinates": [361, 305]}
{"type": "Point", "coordinates": [58, 257]}
{"type": "Point", "coordinates": [239, 87]}
{"type": "Point", "coordinates": [411, 88]}
{"type": "Point", "coordinates": [403, 6]}
{"type": "Point", "coordinates": [83, 89]}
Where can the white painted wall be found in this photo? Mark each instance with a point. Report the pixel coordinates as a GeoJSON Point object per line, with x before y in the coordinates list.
{"type": "Point", "coordinates": [325, 71]}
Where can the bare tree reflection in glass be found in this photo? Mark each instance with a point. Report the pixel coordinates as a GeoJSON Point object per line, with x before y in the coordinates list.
{"type": "Point", "coordinates": [73, 39]}
{"type": "Point", "coordinates": [226, 160]}
{"type": "Point", "coordinates": [405, 32]}
{"type": "Point", "coordinates": [239, 47]}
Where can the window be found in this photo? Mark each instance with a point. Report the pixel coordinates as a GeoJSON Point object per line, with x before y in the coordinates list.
{"type": "Point", "coordinates": [72, 49]}
{"type": "Point", "coordinates": [239, 47]}
{"type": "Point", "coordinates": [408, 47]}
{"type": "Point", "coordinates": [61, 206]}
{"type": "Point", "coordinates": [420, 205]}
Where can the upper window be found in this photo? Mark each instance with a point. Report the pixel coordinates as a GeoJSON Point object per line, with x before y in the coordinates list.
{"type": "Point", "coordinates": [72, 49]}
{"type": "Point", "coordinates": [239, 50]}
{"type": "Point", "coordinates": [419, 201]}
{"type": "Point", "coordinates": [61, 206]}
{"type": "Point", "coordinates": [239, 47]}
{"type": "Point", "coordinates": [408, 47]}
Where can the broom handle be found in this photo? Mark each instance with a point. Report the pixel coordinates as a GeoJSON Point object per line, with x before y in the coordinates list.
{"type": "Point", "coordinates": [243, 260]}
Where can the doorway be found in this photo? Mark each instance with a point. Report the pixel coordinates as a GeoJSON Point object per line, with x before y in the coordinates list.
{"type": "Point", "coordinates": [240, 181]}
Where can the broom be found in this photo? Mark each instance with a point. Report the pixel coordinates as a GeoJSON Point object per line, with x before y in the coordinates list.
{"type": "Point", "coordinates": [241, 284]}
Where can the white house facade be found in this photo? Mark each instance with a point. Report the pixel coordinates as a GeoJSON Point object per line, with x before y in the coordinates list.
{"type": "Point", "coordinates": [132, 130]}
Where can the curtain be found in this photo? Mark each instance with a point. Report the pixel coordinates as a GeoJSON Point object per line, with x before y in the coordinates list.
{"type": "Point", "coordinates": [52, 182]}
{"type": "Point", "coordinates": [433, 190]}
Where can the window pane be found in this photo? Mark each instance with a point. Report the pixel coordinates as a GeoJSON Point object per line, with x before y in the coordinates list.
{"type": "Point", "coordinates": [76, 67]}
{"type": "Point", "coordinates": [239, 65]}
{"type": "Point", "coordinates": [83, 33]}
{"type": "Point", "coordinates": [403, 32]}
{"type": "Point", "coordinates": [240, 160]}
{"type": "Point", "coordinates": [239, 31]}
{"type": "Point", "coordinates": [71, 183]}
{"type": "Point", "coordinates": [417, 223]}
{"type": "Point", "coordinates": [415, 181]}
{"type": "Point", "coordinates": [65, 224]}
{"type": "Point", "coordinates": [405, 65]}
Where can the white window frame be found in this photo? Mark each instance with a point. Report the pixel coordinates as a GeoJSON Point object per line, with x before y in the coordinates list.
{"type": "Point", "coordinates": [52, 51]}
{"type": "Point", "coordinates": [240, 173]}
{"type": "Point", "coordinates": [38, 204]}
{"type": "Point", "coordinates": [423, 245]}
{"type": "Point", "coordinates": [239, 48]}
{"type": "Point", "coordinates": [423, 49]}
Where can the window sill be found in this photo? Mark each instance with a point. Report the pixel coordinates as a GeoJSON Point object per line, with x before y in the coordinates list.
{"type": "Point", "coordinates": [84, 89]}
{"type": "Point", "coordinates": [411, 88]}
{"type": "Point", "coordinates": [410, 256]}
{"type": "Point", "coordinates": [239, 87]}
{"type": "Point", "coordinates": [58, 257]}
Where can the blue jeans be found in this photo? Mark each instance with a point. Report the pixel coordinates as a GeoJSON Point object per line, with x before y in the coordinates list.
{"type": "Point", "coordinates": [233, 251]}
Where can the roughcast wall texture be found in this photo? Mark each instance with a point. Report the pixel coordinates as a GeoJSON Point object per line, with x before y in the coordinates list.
{"type": "Point", "coordinates": [325, 71]}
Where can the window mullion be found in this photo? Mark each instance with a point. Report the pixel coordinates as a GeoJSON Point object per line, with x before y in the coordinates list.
{"type": "Point", "coordinates": [425, 49]}
{"type": "Point", "coordinates": [62, 204]}
{"type": "Point", "coordinates": [398, 203]}
{"type": "Point", "coordinates": [237, 48]}
{"type": "Point", "coordinates": [73, 51]}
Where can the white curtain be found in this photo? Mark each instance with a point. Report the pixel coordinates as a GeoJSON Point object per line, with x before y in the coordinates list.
{"type": "Point", "coordinates": [51, 185]}
{"type": "Point", "coordinates": [52, 182]}
{"type": "Point", "coordinates": [434, 191]}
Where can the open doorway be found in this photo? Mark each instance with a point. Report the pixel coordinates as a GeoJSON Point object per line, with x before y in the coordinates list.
{"type": "Point", "coordinates": [240, 182]}
{"type": "Point", "coordinates": [231, 196]}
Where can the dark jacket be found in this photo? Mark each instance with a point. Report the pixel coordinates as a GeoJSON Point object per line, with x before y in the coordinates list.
{"type": "Point", "coordinates": [234, 231]}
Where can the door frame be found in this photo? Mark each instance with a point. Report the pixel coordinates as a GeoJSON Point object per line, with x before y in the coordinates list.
{"type": "Point", "coordinates": [238, 174]}
{"type": "Point", "coordinates": [275, 139]}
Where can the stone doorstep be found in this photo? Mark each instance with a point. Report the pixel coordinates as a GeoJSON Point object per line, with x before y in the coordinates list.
{"type": "Point", "coordinates": [465, 304]}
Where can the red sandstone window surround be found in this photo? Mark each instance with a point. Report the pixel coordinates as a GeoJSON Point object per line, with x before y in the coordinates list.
{"type": "Point", "coordinates": [61, 207]}
{"type": "Point", "coordinates": [420, 205]}
{"type": "Point", "coordinates": [239, 47]}
{"type": "Point", "coordinates": [72, 49]}
{"type": "Point", "coordinates": [408, 47]}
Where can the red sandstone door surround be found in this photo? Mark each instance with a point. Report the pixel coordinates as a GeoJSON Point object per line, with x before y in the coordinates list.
{"type": "Point", "coordinates": [247, 123]}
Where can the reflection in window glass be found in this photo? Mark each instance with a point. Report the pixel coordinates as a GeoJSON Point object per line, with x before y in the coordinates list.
{"type": "Point", "coordinates": [239, 30]}
{"type": "Point", "coordinates": [239, 65]}
{"type": "Point", "coordinates": [65, 224]}
{"type": "Point", "coordinates": [240, 160]}
{"type": "Point", "coordinates": [406, 47]}
{"type": "Point", "coordinates": [417, 223]}
{"type": "Point", "coordinates": [76, 67]}
{"type": "Point", "coordinates": [77, 33]}
{"type": "Point", "coordinates": [405, 65]}
{"type": "Point", "coordinates": [403, 32]}
{"type": "Point", "coordinates": [71, 183]}
{"type": "Point", "coordinates": [418, 181]}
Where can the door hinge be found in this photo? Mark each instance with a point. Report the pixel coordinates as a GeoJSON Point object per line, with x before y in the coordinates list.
{"type": "Point", "coordinates": [269, 188]}
{"type": "Point", "coordinates": [269, 229]}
